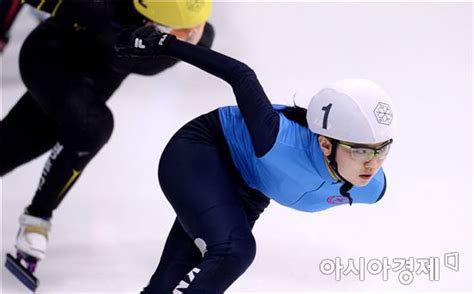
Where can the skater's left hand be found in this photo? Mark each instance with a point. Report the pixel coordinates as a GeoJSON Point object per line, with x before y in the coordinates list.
{"type": "Point", "coordinates": [145, 41]}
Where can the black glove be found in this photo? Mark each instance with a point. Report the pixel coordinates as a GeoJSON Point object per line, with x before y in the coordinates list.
{"type": "Point", "coordinates": [145, 41]}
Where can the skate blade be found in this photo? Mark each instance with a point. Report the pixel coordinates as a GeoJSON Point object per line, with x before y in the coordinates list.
{"type": "Point", "coordinates": [21, 273]}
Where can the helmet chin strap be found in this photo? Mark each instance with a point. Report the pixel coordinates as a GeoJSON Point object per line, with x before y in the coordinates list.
{"type": "Point", "coordinates": [346, 186]}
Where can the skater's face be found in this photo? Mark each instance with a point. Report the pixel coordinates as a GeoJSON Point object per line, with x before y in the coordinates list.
{"type": "Point", "coordinates": [357, 163]}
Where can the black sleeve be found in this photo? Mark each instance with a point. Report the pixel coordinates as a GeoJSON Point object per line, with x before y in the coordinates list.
{"type": "Point", "coordinates": [261, 119]}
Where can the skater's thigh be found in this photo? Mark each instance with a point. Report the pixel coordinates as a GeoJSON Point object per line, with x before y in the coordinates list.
{"type": "Point", "coordinates": [196, 178]}
{"type": "Point", "coordinates": [195, 175]}
{"type": "Point", "coordinates": [45, 59]}
{"type": "Point", "coordinates": [59, 72]}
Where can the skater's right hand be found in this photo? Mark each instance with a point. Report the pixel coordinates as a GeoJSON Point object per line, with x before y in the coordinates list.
{"type": "Point", "coordinates": [145, 41]}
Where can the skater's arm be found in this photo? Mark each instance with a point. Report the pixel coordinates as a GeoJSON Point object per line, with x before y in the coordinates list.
{"type": "Point", "coordinates": [261, 119]}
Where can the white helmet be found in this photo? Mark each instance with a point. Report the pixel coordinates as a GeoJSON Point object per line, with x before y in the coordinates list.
{"type": "Point", "coordinates": [352, 110]}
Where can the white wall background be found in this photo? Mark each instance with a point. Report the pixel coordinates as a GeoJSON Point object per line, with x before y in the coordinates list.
{"type": "Point", "coordinates": [109, 232]}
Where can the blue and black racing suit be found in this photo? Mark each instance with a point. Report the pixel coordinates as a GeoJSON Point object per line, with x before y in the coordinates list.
{"type": "Point", "coordinates": [220, 171]}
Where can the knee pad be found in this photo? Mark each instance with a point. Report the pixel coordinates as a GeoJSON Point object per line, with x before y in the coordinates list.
{"type": "Point", "coordinates": [90, 131]}
{"type": "Point", "coordinates": [226, 261]}
{"type": "Point", "coordinates": [242, 249]}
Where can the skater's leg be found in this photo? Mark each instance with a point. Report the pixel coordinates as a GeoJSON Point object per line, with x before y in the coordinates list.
{"type": "Point", "coordinates": [85, 125]}
{"type": "Point", "coordinates": [230, 249]}
{"type": "Point", "coordinates": [26, 133]}
{"type": "Point", "coordinates": [60, 72]}
{"type": "Point", "coordinates": [203, 189]}
{"type": "Point", "coordinates": [179, 256]}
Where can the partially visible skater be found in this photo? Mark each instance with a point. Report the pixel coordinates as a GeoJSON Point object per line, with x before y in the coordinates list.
{"type": "Point", "coordinates": [220, 170]}
{"type": "Point", "coordinates": [70, 70]}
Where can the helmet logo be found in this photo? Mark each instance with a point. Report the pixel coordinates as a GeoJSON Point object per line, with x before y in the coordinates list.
{"type": "Point", "coordinates": [383, 113]}
{"type": "Point", "coordinates": [195, 5]}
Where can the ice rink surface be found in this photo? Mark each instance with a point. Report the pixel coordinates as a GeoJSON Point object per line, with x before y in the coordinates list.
{"type": "Point", "coordinates": [108, 234]}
